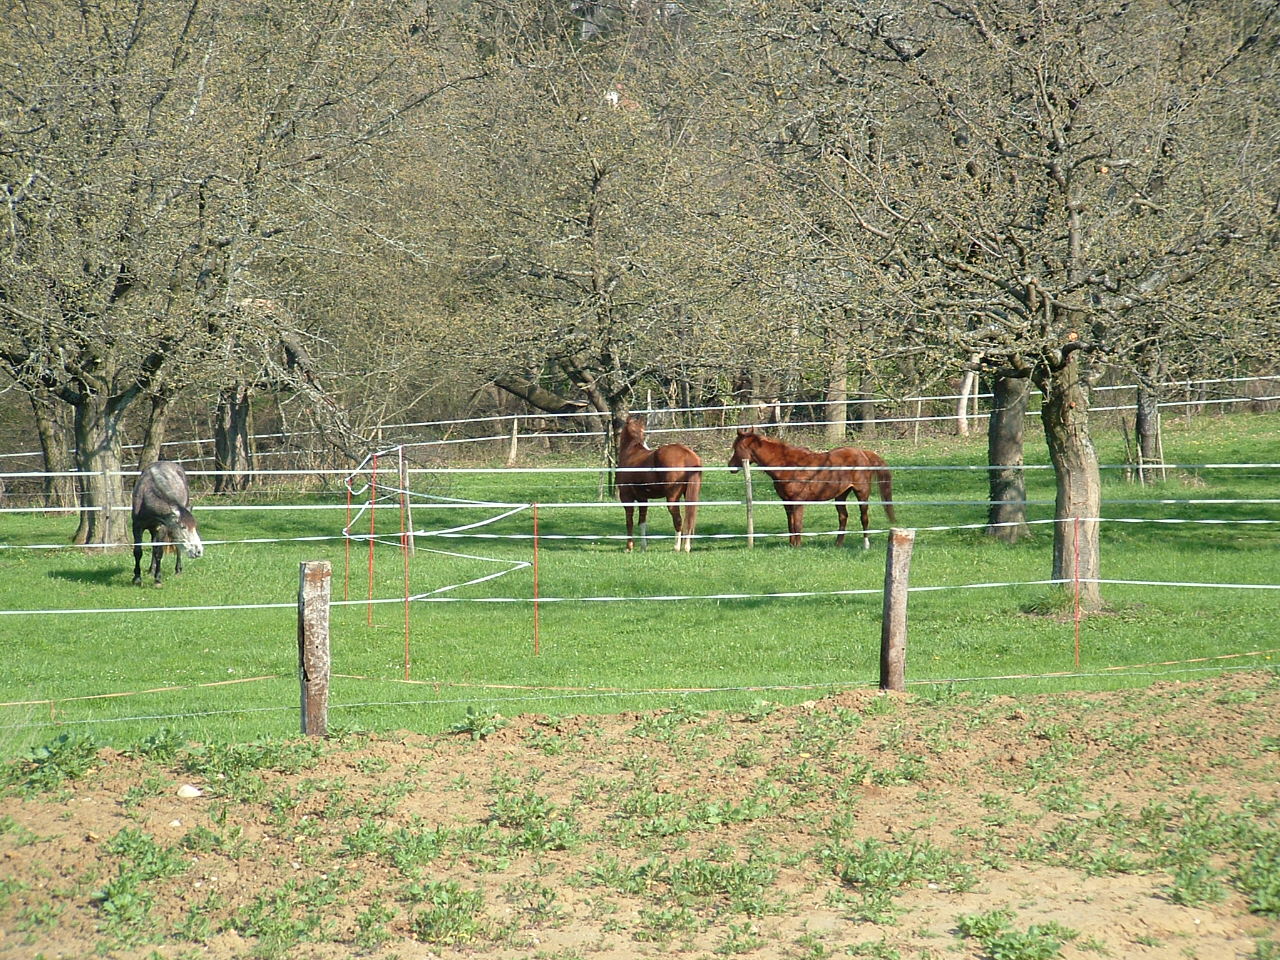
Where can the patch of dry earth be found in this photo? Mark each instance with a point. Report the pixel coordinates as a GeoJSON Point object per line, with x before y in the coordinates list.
{"type": "Point", "coordinates": [1038, 799]}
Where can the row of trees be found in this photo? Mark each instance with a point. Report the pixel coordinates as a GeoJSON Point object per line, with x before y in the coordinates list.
{"type": "Point", "coordinates": [377, 206]}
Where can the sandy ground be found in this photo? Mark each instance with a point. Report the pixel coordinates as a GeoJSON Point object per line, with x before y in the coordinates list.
{"type": "Point", "coordinates": [1063, 809]}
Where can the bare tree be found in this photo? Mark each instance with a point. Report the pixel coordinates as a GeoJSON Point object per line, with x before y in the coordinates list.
{"type": "Point", "coordinates": [1027, 180]}
{"type": "Point", "coordinates": [575, 187]}
{"type": "Point", "coordinates": [161, 161]}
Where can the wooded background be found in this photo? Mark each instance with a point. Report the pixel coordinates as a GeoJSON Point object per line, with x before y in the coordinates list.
{"type": "Point", "coordinates": [334, 214]}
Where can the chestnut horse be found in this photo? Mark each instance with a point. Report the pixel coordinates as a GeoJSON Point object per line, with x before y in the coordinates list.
{"type": "Point", "coordinates": [672, 471]}
{"type": "Point", "coordinates": [834, 475]}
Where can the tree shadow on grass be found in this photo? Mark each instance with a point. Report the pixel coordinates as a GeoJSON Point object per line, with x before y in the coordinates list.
{"type": "Point", "coordinates": [103, 576]}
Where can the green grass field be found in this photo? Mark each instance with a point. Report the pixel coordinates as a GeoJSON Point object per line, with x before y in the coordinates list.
{"type": "Point", "coordinates": [232, 674]}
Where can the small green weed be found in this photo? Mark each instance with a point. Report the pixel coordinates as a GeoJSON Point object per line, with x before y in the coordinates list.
{"type": "Point", "coordinates": [38, 916]}
{"type": "Point", "coordinates": [68, 757]}
{"type": "Point", "coordinates": [149, 787]}
{"type": "Point", "coordinates": [870, 864]}
{"type": "Point", "coordinates": [126, 908]}
{"type": "Point", "coordinates": [8, 887]}
{"type": "Point", "coordinates": [1259, 878]}
{"type": "Point", "coordinates": [740, 938]}
{"type": "Point", "coordinates": [479, 725]}
{"type": "Point", "coordinates": [536, 901]}
{"type": "Point", "coordinates": [232, 760]}
{"type": "Point", "coordinates": [147, 859]}
{"type": "Point", "coordinates": [413, 847]}
{"type": "Point", "coordinates": [743, 884]}
{"type": "Point", "coordinates": [20, 835]}
{"type": "Point", "coordinates": [982, 926]}
{"type": "Point", "coordinates": [759, 710]}
{"type": "Point", "coordinates": [659, 925]}
{"type": "Point", "coordinates": [280, 919]}
{"type": "Point", "coordinates": [198, 925]}
{"type": "Point", "coordinates": [999, 942]}
{"type": "Point", "coordinates": [538, 823]}
{"type": "Point", "coordinates": [201, 839]}
{"type": "Point", "coordinates": [371, 930]}
{"type": "Point", "coordinates": [876, 949]}
{"type": "Point", "coordinates": [369, 838]}
{"type": "Point", "coordinates": [1196, 885]}
{"type": "Point", "coordinates": [451, 915]}
{"type": "Point", "coordinates": [610, 872]}
{"type": "Point", "coordinates": [163, 745]}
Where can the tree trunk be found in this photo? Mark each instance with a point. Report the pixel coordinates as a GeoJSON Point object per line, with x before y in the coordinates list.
{"type": "Point", "coordinates": [55, 448]}
{"type": "Point", "coordinates": [153, 439]}
{"type": "Point", "coordinates": [103, 508]}
{"type": "Point", "coordinates": [837, 399]}
{"type": "Point", "coordinates": [1065, 415]}
{"type": "Point", "coordinates": [1007, 512]}
{"type": "Point", "coordinates": [866, 405]}
{"type": "Point", "coordinates": [233, 456]}
{"type": "Point", "coordinates": [968, 385]}
{"type": "Point", "coordinates": [1146, 428]}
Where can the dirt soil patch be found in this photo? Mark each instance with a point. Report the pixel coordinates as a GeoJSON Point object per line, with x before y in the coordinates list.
{"type": "Point", "coordinates": [1135, 824]}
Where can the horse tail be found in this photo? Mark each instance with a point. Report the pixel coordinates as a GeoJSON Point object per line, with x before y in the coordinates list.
{"type": "Point", "coordinates": [692, 493]}
{"type": "Point", "coordinates": [885, 479]}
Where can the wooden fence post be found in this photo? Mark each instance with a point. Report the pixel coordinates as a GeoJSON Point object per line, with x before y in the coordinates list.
{"type": "Point", "coordinates": [893, 628]}
{"type": "Point", "coordinates": [751, 507]}
{"type": "Point", "coordinates": [513, 449]}
{"type": "Point", "coordinates": [313, 646]}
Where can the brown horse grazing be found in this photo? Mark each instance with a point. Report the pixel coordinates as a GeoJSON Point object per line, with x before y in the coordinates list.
{"type": "Point", "coordinates": [672, 471]}
{"type": "Point", "coordinates": [831, 478]}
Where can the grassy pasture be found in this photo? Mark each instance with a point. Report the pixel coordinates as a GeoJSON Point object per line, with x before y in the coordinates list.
{"type": "Point", "coordinates": [231, 674]}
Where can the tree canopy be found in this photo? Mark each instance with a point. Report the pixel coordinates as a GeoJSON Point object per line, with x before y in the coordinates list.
{"type": "Point", "coordinates": [577, 203]}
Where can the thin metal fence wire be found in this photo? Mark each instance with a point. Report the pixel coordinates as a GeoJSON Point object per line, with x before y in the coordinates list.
{"type": "Point", "coordinates": [435, 595]}
{"type": "Point", "coordinates": [705, 468]}
{"type": "Point", "coordinates": [724, 408]}
{"type": "Point", "coordinates": [393, 540]}
{"type": "Point", "coordinates": [616, 693]}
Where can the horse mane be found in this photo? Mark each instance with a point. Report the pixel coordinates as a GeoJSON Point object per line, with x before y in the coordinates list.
{"type": "Point", "coordinates": [780, 445]}
{"type": "Point", "coordinates": [632, 433]}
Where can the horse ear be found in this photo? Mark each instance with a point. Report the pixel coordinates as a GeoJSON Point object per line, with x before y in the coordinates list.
{"type": "Point", "coordinates": [744, 431]}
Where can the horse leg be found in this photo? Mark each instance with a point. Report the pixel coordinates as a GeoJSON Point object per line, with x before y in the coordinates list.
{"type": "Point", "coordinates": [630, 537]}
{"type": "Point", "coordinates": [644, 525]}
{"type": "Point", "coordinates": [137, 556]}
{"type": "Point", "coordinates": [842, 512]}
{"type": "Point", "coordinates": [673, 507]}
{"type": "Point", "coordinates": [157, 554]}
{"type": "Point", "coordinates": [795, 522]}
{"type": "Point", "coordinates": [864, 512]}
{"type": "Point", "coordinates": [692, 492]}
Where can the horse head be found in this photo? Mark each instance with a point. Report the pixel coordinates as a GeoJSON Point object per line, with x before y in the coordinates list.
{"type": "Point", "coordinates": [631, 433]}
{"type": "Point", "coordinates": [181, 526]}
{"type": "Point", "coordinates": [743, 444]}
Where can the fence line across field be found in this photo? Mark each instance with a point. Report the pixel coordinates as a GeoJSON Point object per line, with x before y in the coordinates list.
{"type": "Point", "coordinates": [434, 597]}
{"type": "Point", "coordinates": [710, 468]}
{"type": "Point", "coordinates": [389, 505]}
{"type": "Point", "coordinates": [597, 537]}
{"type": "Point", "coordinates": [559, 695]}
{"type": "Point", "coordinates": [779, 405]}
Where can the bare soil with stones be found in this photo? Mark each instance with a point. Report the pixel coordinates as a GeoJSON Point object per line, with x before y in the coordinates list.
{"type": "Point", "coordinates": [1133, 824]}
